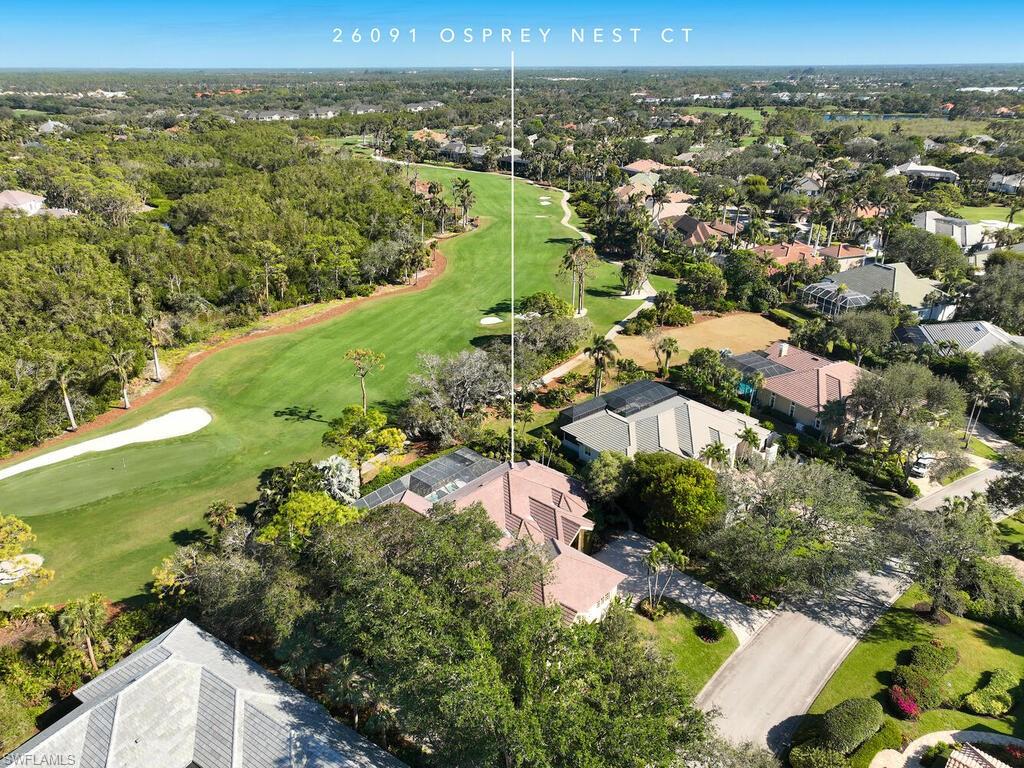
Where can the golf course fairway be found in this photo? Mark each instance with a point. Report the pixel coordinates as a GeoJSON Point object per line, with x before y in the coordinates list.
{"type": "Point", "coordinates": [104, 520]}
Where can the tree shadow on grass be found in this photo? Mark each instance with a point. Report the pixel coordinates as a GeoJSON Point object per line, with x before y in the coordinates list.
{"type": "Point", "coordinates": [502, 307]}
{"type": "Point", "coordinates": [187, 536]}
{"type": "Point", "coordinates": [563, 240]}
{"type": "Point", "coordinates": [298, 413]}
{"type": "Point", "coordinates": [604, 292]}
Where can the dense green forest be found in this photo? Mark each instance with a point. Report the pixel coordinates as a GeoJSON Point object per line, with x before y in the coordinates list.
{"type": "Point", "coordinates": [241, 220]}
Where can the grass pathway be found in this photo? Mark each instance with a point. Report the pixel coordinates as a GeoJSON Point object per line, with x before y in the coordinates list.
{"type": "Point", "coordinates": [105, 520]}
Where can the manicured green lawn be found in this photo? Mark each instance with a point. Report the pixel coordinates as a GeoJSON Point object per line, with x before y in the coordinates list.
{"type": "Point", "coordinates": [984, 450]}
{"type": "Point", "coordinates": [982, 648]}
{"type": "Point", "coordinates": [674, 636]}
{"type": "Point", "coordinates": [992, 213]}
{"type": "Point", "coordinates": [1011, 532]}
{"type": "Point", "coordinates": [920, 126]}
{"type": "Point", "coordinates": [105, 520]}
{"type": "Point", "coordinates": [28, 113]}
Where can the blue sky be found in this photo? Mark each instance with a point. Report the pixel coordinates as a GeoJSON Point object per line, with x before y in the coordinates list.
{"type": "Point", "coordinates": [269, 33]}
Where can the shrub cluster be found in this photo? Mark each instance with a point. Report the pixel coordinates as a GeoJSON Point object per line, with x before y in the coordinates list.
{"type": "Point", "coordinates": [849, 724]}
{"type": "Point", "coordinates": [813, 756]}
{"type": "Point", "coordinates": [996, 697]}
{"type": "Point", "coordinates": [917, 685]}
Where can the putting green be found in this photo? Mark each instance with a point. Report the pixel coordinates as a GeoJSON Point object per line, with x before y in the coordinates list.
{"type": "Point", "coordinates": [105, 520]}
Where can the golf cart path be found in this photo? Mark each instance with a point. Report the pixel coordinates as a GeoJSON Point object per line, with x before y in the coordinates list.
{"type": "Point", "coordinates": [626, 554]}
{"type": "Point", "coordinates": [174, 424]}
{"type": "Point", "coordinates": [184, 368]}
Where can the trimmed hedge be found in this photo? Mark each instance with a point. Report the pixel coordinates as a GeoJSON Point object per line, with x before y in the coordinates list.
{"type": "Point", "coordinates": [889, 736]}
{"type": "Point", "coordinates": [996, 697]}
{"type": "Point", "coordinates": [849, 724]}
{"type": "Point", "coordinates": [811, 756]}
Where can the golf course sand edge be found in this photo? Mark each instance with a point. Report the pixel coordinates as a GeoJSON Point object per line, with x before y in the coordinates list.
{"type": "Point", "coordinates": [174, 424]}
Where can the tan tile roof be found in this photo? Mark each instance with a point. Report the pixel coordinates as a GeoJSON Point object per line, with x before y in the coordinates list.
{"type": "Point", "coordinates": [644, 166]}
{"type": "Point", "coordinates": [843, 251]}
{"type": "Point", "coordinates": [814, 380]}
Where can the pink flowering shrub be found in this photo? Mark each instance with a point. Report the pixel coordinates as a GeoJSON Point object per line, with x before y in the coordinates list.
{"type": "Point", "coordinates": [904, 703]}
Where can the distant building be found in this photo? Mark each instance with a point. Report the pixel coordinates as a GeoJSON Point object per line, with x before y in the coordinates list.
{"type": "Point", "coordinates": [978, 336]}
{"type": "Point", "coordinates": [423, 106]}
{"type": "Point", "coordinates": [696, 232]}
{"type": "Point", "coordinates": [1006, 184]}
{"type": "Point", "coordinates": [323, 113]}
{"type": "Point", "coordinates": [364, 109]}
{"type": "Point", "coordinates": [797, 384]}
{"type": "Point", "coordinates": [848, 256]}
{"type": "Point", "coordinates": [853, 289]}
{"type": "Point", "coordinates": [924, 175]}
{"type": "Point", "coordinates": [809, 185]}
{"type": "Point", "coordinates": [524, 500]}
{"type": "Point", "coordinates": [22, 202]}
{"type": "Point", "coordinates": [644, 166]}
{"type": "Point", "coordinates": [783, 254]}
{"type": "Point", "coordinates": [51, 127]}
{"type": "Point", "coordinates": [188, 700]}
{"type": "Point", "coordinates": [647, 417]}
{"type": "Point", "coordinates": [967, 234]}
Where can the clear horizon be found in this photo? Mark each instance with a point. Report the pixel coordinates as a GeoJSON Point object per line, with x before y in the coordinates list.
{"type": "Point", "coordinates": [261, 34]}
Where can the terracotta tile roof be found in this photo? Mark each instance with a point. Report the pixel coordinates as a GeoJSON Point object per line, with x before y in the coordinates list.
{"type": "Point", "coordinates": [790, 253]}
{"type": "Point", "coordinates": [843, 251]}
{"type": "Point", "coordinates": [699, 232]}
{"type": "Point", "coordinates": [644, 166]}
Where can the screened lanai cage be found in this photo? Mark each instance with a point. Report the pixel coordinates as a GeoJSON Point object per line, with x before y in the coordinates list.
{"type": "Point", "coordinates": [830, 300]}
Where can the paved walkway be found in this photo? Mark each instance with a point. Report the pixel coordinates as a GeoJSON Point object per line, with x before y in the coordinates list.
{"type": "Point", "coordinates": [626, 553]}
{"type": "Point", "coordinates": [965, 486]}
{"type": "Point", "coordinates": [763, 689]}
{"type": "Point", "coordinates": [911, 756]}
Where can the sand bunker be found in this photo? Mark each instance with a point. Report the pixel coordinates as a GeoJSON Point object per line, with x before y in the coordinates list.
{"type": "Point", "coordinates": [491, 321]}
{"type": "Point", "coordinates": [545, 202]}
{"type": "Point", "coordinates": [18, 567]}
{"type": "Point", "coordinates": [173, 424]}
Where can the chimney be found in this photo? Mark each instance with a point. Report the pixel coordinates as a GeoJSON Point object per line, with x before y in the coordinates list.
{"type": "Point", "coordinates": [783, 349]}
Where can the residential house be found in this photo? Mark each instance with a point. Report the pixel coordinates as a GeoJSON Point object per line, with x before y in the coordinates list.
{"type": "Point", "coordinates": [364, 109]}
{"type": "Point", "coordinates": [51, 127]}
{"type": "Point", "coordinates": [784, 254]}
{"type": "Point", "coordinates": [646, 179]}
{"type": "Point", "coordinates": [797, 384]}
{"type": "Point", "coordinates": [977, 235]}
{"type": "Point", "coordinates": [21, 202]}
{"type": "Point", "coordinates": [809, 185]}
{"type": "Point", "coordinates": [322, 113]}
{"type": "Point", "coordinates": [924, 175]}
{"type": "Point", "coordinates": [454, 150]}
{"type": "Point", "coordinates": [525, 500]}
{"type": "Point", "coordinates": [506, 157]}
{"type": "Point", "coordinates": [423, 106]}
{"type": "Point", "coordinates": [188, 699]}
{"type": "Point", "coordinates": [675, 205]}
{"type": "Point", "coordinates": [848, 256]}
{"type": "Point", "coordinates": [854, 288]}
{"type": "Point", "coordinates": [1006, 184]}
{"type": "Point", "coordinates": [647, 417]}
{"type": "Point", "coordinates": [978, 336]}
{"type": "Point", "coordinates": [696, 232]}
{"type": "Point", "coordinates": [644, 166]}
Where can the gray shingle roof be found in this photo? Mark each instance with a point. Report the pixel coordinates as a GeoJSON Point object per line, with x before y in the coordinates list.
{"type": "Point", "coordinates": [970, 335]}
{"type": "Point", "coordinates": [182, 699]}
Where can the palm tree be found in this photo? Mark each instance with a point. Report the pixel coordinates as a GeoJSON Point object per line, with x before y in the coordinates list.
{"type": "Point", "coordinates": [986, 390]}
{"type": "Point", "coordinates": [365, 361]}
{"type": "Point", "coordinates": [122, 361]}
{"type": "Point", "coordinates": [668, 347]}
{"type": "Point", "coordinates": [159, 334]}
{"type": "Point", "coordinates": [578, 261]}
{"type": "Point", "coordinates": [82, 621]}
{"type": "Point", "coordinates": [755, 381]}
{"type": "Point", "coordinates": [832, 416]}
{"type": "Point", "coordinates": [715, 454]}
{"type": "Point", "coordinates": [602, 351]}
{"type": "Point", "coordinates": [749, 440]}
{"type": "Point", "coordinates": [62, 371]}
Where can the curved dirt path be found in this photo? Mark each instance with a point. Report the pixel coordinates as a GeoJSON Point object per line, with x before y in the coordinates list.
{"type": "Point", "coordinates": [183, 369]}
